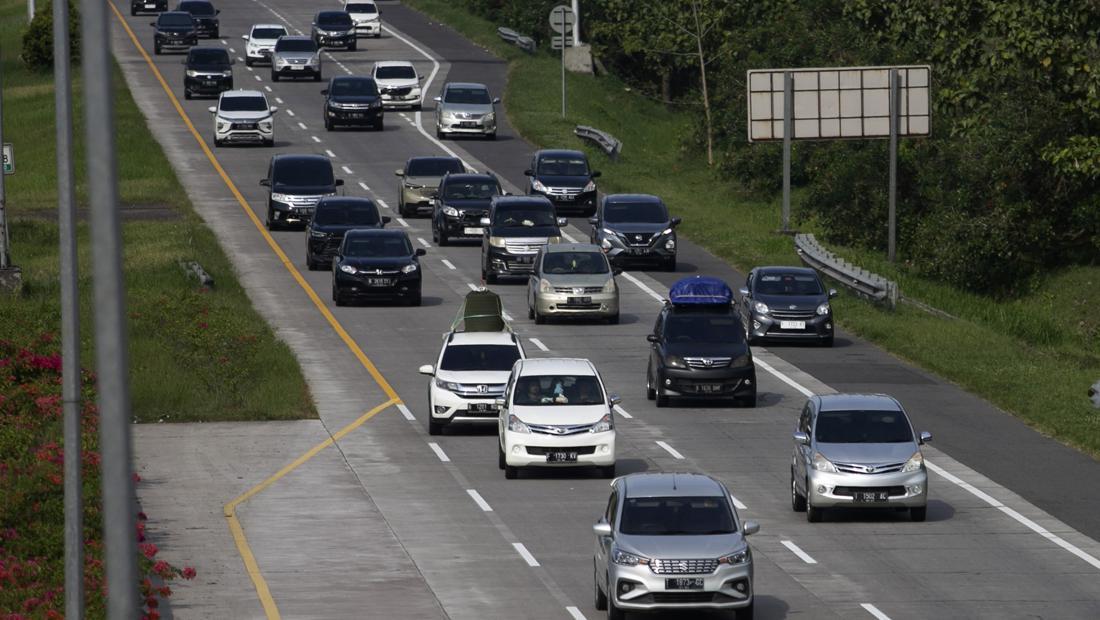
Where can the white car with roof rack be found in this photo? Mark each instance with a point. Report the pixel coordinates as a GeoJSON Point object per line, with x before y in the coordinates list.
{"type": "Point", "coordinates": [367, 17]}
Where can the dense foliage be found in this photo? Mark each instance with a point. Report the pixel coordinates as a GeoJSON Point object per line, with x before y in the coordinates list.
{"type": "Point", "coordinates": [1007, 187]}
{"type": "Point", "coordinates": [38, 38]}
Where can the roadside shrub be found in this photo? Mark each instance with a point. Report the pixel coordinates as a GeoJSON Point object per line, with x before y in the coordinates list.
{"type": "Point", "coordinates": [38, 38]}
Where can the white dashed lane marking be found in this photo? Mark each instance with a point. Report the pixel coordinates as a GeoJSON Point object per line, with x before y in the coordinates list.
{"type": "Point", "coordinates": [439, 452]}
{"type": "Point", "coordinates": [670, 450]}
{"type": "Point", "coordinates": [538, 343]}
{"type": "Point", "coordinates": [405, 412]}
{"type": "Point", "coordinates": [480, 501]}
{"type": "Point", "coordinates": [448, 263]}
{"type": "Point", "coordinates": [802, 555]}
{"type": "Point", "coordinates": [525, 554]}
{"type": "Point", "coordinates": [619, 410]}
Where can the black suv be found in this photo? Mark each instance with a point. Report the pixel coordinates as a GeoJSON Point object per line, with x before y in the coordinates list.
{"type": "Point", "coordinates": [698, 347]}
{"type": "Point", "coordinates": [208, 71]}
{"type": "Point", "coordinates": [635, 228]}
{"type": "Point", "coordinates": [332, 219]}
{"type": "Point", "coordinates": [462, 201]}
{"type": "Point", "coordinates": [565, 178]}
{"type": "Point", "coordinates": [148, 6]}
{"type": "Point", "coordinates": [174, 31]}
{"type": "Point", "coordinates": [295, 185]}
{"type": "Point", "coordinates": [206, 16]}
{"type": "Point", "coordinates": [787, 303]}
{"type": "Point", "coordinates": [516, 228]}
{"type": "Point", "coordinates": [351, 100]}
{"type": "Point", "coordinates": [376, 264]}
{"type": "Point", "coordinates": [334, 29]}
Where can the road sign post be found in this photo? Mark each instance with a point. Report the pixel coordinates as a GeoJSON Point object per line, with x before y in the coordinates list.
{"type": "Point", "coordinates": [562, 19]}
{"type": "Point", "coordinates": [9, 162]}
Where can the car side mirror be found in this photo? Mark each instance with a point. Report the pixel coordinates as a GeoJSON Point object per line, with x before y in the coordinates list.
{"type": "Point", "coordinates": [212, 109]}
{"type": "Point", "coordinates": [386, 220]}
{"type": "Point", "coordinates": [484, 221]}
{"type": "Point", "coordinates": [594, 220]}
{"type": "Point", "coordinates": [802, 439]}
{"type": "Point", "coordinates": [437, 99]}
{"type": "Point", "coordinates": [595, 174]}
{"type": "Point", "coordinates": [506, 193]}
{"type": "Point", "coordinates": [500, 403]}
{"type": "Point", "coordinates": [601, 529]}
{"type": "Point", "coordinates": [339, 182]}
{"type": "Point", "coordinates": [496, 100]}
{"type": "Point", "coordinates": [832, 293]}
{"type": "Point", "coordinates": [562, 222]}
{"type": "Point", "coordinates": [217, 11]}
{"type": "Point", "coordinates": [749, 528]}
{"type": "Point", "coordinates": [265, 182]}
{"type": "Point", "coordinates": [427, 369]}
{"type": "Point", "coordinates": [925, 437]}
{"type": "Point", "coordinates": [652, 338]}
{"type": "Point", "coordinates": [420, 78]}
{"type": "Point", "coordinates": [325, 92]}
{"type": "Point", "coordinates": [421, 251]}
{"type": "Point", "coordinates": [399, 173]}
{"type": "Point", "coordinates": [244, 36]}
{"type": "Point", "coordinates": [153, 24]}
{"type": "Point", "coordinates": [676, 221]}
{"type": "Point", "coordinates": [528, 173]}
{"type": "Point", "coordinates": [614, 399]}
{"type": "Point", "coordinates": [273, 109]}
{"type": "Point", "coordinates": [616, 271]}
{"type": "Point", "coordinates": [744, 291]}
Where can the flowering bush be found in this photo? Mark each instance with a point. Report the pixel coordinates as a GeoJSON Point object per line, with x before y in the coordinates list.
{"type": "Point", "coordinates": [32, 457]}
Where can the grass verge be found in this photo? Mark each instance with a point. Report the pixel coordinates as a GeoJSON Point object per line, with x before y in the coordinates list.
{"type": "Point", "coordinates": [1034, 357]}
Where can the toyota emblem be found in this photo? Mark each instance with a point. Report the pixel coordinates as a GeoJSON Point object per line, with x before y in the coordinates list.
{"type": "Point", "coordinates": [707, 361]}
{"type": "Point", "coordinates": [794, 307]}
{"type": "Point", "coordinates": [577, 290]}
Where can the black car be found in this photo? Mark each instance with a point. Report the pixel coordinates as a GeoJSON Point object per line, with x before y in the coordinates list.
{"type": "Point", "coordinates": [206, 16]}
{"type": "Point", "coordinates": [635, 228]}
{"type": "Point", "coordinates": [332, 218]}
{"type": "Point", "coordinates": [295, 184]}
{"type": "Point", "coordinates": [353, 101]}
{"type": "Point", "coordinates": [376, 264]}
{"type": "Point", "coordinates": [334, 29]}
{"type": "Point", "coordinates": [148, 6]}
{"type": "Point", "coordinates": [174, 31]}
{"type": "Point", "coordinates": [462, 201]}
{"type": "Point", "coordinates": [516, 228]}
{"type": "Point", "coordinates": [565, 178]}
{"type": "Point", "coordinates": [698, 347]}
{"type": "Point", "coordinates": [209, 71]}
{"type": "Point", "coordinates": [787, 303]}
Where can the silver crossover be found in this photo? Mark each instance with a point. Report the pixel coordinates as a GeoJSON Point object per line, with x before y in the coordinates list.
{"type": "Point", "coordinates": [465, 108]}
{"type": "Point", "coordinates": [572, 280]}
{"type": "Point", "coordinates": [857, 450]}
{"type": "Point", "coordinates": [296, 57]}
{"type": "Point", "coordinates": [672, 542]}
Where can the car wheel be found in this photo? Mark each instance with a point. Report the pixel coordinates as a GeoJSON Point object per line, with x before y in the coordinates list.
{"type": "Point", "coordinates": [813, 513]}
{"type": "Point", "coordinates": [133, 12]}
{"type": "Point", "coordinates": [747, 401]}
{"type": "Point", "coordinates": [491, 136]}
{"type": "Point", "coordinates": [745, 613]}
{"type": "Point", "coordinates": [650, 393]}
{"type": "Point", "coordinates": [439, 134]}
{"type": "Point", "coordinates": [248, 62]}
{"type": "Point", "coordinates": [501, 463]}
{"type": "Point", "coordinates": [434, 428]}
{"type": "Point", "coordinates": [270, 142]}
{"type": "Point", "coordinates": [608, 472]}
{"type": "Point", "coordinates": [614, 319]}
{"type": "Point", "coordinates": [271, 223]}
{"type": "Point", "coordinates": [310, 263]}
{"type": "Point", "coordinates": [491, 278]}
{"type": "Point", "coordinates": [217, 34]}
{"type": "Point", "coordinates": [186, 94]}
{"type": "Point", "coordinates": [317, 77]}
{"type": "Point", "coordinates": [217, 142]}
{"type": "Point", "coordinates": [378, 35]}
{"type": "Point", "coordinates": [798, 500]}
{"type": "Point", "coordinates": [380, 125]}
{"type": "Point", "coordinates": [338, 297]}
{"type": "Point", "coordinates": [918, 514]}
{"type": "Point", "coordinates": [510, 473]}
{"type": "Point", "coordinates": [749, 338]}
{"type": "Point", "coordinates": [443, 239]}
{"type": "Point", "coordinates": [274, 75]}
{"type": "Point", "coordinates": [670, 264]}
{"type": "Point", "coordinates": [353, 47]}
{"type": "Point", "coordinates": [156, 49]}
{"type": "Point", "coordinates": [531, 313]}
{"type": "Point", "coordinates": [601, 599]}
{"type": "Point", "coordinates": [827, 342]}
{"type": "Point", "coordinates": [539, 318]}
{"type": "Point", "coordinates": [416, 299]}
{"type": "Point", "coordinates": [613, 612]}
{"type": "Point", "coordinates": [328, 124]}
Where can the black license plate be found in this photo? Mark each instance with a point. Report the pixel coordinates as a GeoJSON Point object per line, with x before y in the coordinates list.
{"type": "Point", "coordinates": [684, 583]}
{"type": "Point", "coordinates": [482, 408]}
{"type": "Point", "coordinates": [468, 125]}
{"type": "Point", "coordinates": [638, 251]}
{"type": "Point", "coordinates": [209, 82]}
{"type": "Point", "coordinates": [578, 300]}
{"type": "Point", "coordinates": [871, 496]}
{"type": "Point", "coordinates": [708, 388]}
{"type": "Point", "coordinates": [379, 282]}
{"type": "Point", "coordinates": [561, 457]}
{"type": "Point", "coordinates": [303, 213]}
{"type": "Point", "coordinates": [563, 197]}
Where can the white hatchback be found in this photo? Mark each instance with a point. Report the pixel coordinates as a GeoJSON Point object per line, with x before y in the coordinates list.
{"type": "Point", "coordinates": [260, 42]}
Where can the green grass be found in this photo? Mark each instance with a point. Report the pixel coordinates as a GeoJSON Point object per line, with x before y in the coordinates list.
{"type": "Point", "coordinates": [195, 355]}
{"type": "Point", "coordinates": [1035, 357]}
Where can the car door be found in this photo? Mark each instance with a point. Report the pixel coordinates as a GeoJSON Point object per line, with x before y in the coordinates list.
{"type": "Point", "coordinates": [803, 454]}
{"type": "Point", "coordinates": [533, 281]}
{"type": "Point", "coordinates": [597, 224]}
{"type": "Point", "coordinates": [655, 347]}
{"type": "Point", "coordinates": [502, 416]}
{"type": "Point", "coordinates": [603, 543]}
{"type": "Point", "coordinates": [746, 299]}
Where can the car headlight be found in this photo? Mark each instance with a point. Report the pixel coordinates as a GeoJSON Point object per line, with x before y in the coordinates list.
{"type": "Point", "coordinates": [317, 234]}
{"type": "Point", "coordinates": [667, 231]}
{"type": "Point", "coordinates": [609, 232]}
{"type": "Point", "coordinates": [761, 307]}
{"type": "Point", "coordinates": [670, 244]}
{"type": "Point", "coordinates": [538, 186]}
{"type": "Point", "coordinates": [609, 286]}
{"type": "Point", "coordinates": [517, 425]}
{"type": "Point", "coordinates": [823, 464]}
{"type": "Point", "coordinates": [490, 117]}
{"type": "Point", "coordinates": [741, 361]}
{"type": "Point", "coordinates": [590, 187]}
{"type": "Point", "coordinates": [496, 242]}
{"type": "Point", "coordinates": [377, 103]}
{"type": "Point", "coordinates": [622, 558]}
{"type": "Point", "coordinates": [553, 239]}
{"type": "Point", "coordinates": [413, 186]}
{"type": "Point", "coordinates": [191, 73]}
{"type": "Point", "coordinates": [823, 309]}
{"type": "Point", "coordinates": [675, 361]}
{"type": "Point", "coordinates": [447, 385]}
{"type": "Point", "coordinates": [544, 286]}
{"type": "Point", "coordinates": [411, 267]}
{"type": "Point", "coordinates": [604, 425]}
{"type": "Point", "coordinates": [328, 194]}
{"type": "Point", "coordinates": [450, 211]}
{"type": "Point", "coordinates": [339, 106]}
{"type": "Point", "coordinates": [227, 73]}
{"type": "Point", "coordinates": [223, 126]}
{"type": "Point", "coordinates": [265, 125]}
{"type": "Point", "coordinates": [915, 462]}
{"type": "Point", "coordinates": [277, 197]}
{"type": "Point", "coordinates": [738, 557]}
{"type": "Point", "coordinates": [605, 244]}
{"type": "Point", "coordinates": [349, 269]}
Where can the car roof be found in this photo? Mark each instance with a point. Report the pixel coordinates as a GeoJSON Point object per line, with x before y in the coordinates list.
{"type": "Point", "coordinates": [207, 48]}
{"type": "Point", "coordinates": [465, 85]}
{"type": "Point", "coordinates": [166, 13]}
{"type": "Point", "coordinates": [344, 200]}
{"type": "Point", "coordinates": [671, 484]}
{"type": "Point", "coordinates": [375, 232]}
{"type": "Point", "coordinates": [432, 158]}
{"type": "Point", "coordinates": [295, 37]}
{"type": "Point", "coordinates": [255, 26]}
{"type": "Point", "coordinates": [331, 13]}
{"type": "Point", "coordinates": [352, 78]}
{"type": "Point", "coordinates": [467, 338]}
{"type": "Point", "coordinates": [228, 94]}
{"type": "Point", "coordinates": [393, 63]}
{"type": "Point", "coordinates": [299, 157]}
{"type": "Point", "coordinates": [554, 248]}
{"type": "Point", "coordinates": [462, 177]}
{"type": "Point", "coordinates": [555, 366]}
{"type": "Point", "coordinates": [858, 402]}
{"type": "Point", "coordinates": [781, 269]}
{"type": "Point", "coordinates": [632, 198]}
{"type": "Point", "coordinates": [522, 200]}
{"type": "Point", "coordinates": [560, 153]}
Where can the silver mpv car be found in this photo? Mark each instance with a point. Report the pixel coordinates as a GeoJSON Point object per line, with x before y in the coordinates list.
{"type": "Point", "coordinates": [465, 109]}
{"type": "Point", "coordinates": [572, 280]}
{"type": "Point", "coordinates": [672, 542]}
{"type": "Point", "coordinates": [857, 450]}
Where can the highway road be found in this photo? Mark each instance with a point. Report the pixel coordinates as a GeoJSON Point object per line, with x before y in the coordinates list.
{"type": "Point", "coordinates": [1011, 524]}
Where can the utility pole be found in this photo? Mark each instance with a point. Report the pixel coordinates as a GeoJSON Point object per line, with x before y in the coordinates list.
{"type": "Point", "coordinates": [30, 10]}
{"type": "Point", "coordinates": [892, 217]}
{"type": "Point", "coordinates": [577, 23]}
{"type": "Point", "coordinates": [5, 251]}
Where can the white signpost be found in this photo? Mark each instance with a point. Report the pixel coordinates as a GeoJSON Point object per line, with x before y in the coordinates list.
{"type": "Point", "coordinates": [9, 159]}
{"type": "Point", "coordinates": [562, 20]}
{"type": "Point", "coordinates": [837, 104]}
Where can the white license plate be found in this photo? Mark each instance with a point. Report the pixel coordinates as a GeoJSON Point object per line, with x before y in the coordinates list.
{"type": "Point", "coordinates": [473, 231]}
{"type": "Point", "coordinates": [792, 325]}
{"type": "Point", "coordinates": [150, 6]}
{"type": "Point", "coordinates": [296, 67]}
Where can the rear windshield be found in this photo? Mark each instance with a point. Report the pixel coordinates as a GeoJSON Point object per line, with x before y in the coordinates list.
{"type": "Point", "coordinates": [562, 166]}
{"type": "Point", "coordinates": [635, 212]}
{"type": "Point", "coordinates": [689, 327]}
{"type": "Point", "coordinates": [434, 167]}
{"type": "Point", "coordinates": [398, 72]}
{"type": "Point", "coordinates": [585, 263]}
{"type": "Point", "coordinates": [208, 57]}
{"type": "Point", "coordinates": [174, 19]}
{"type": "Point", "coordinates": [303, 172]}
{"type": "Point", "coordinates": [668, 516]}
{"type": "Point", "coordinates": [361, 87]}
{"type": "Point", "coordinates": [479, 357]}
{"type": "Point", "coordinates": [467, 95]}
{"type": "Point", "coordinates": [268, 33]}
{"type": "Point", "coordinates": [460, 190]}
{"type": "Point", "coordinates": [551, 390]}
{"type": "Point", "coordinates": [197, 8]}
{"type": "Point", "coordinates": [523, 216]}
{"type": "Point", "coordinates": [243, 104]}
{"type": "Point", "coordinates": [357, 7]}
{"type": "Point", "coordinates": [295, 45]}
{"type": "Point", "coordinates": [334, 18]}
{"type": "Point", "coordinates": [862, 427]}
{"type": "Point", "coordinates": [380, 246]}
{"type": "Point", "coordinates": [788, 284]}
{"type": "Point", "coordinates": [337, 213]}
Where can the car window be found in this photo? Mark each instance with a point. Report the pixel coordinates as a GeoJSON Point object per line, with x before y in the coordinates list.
{"type": "Point", "coordinates": [268, 33]}
{"type": "Point", "coordinates": [788, 284]}
{"type": "Point", "coordinates": [174, 19]}
{"type": "Point", "coordinates": [804, 419]}
{"type": "Point", "coordinates": [461, 95]}
{"type": "Point", "coordinates": [353, 88]}
{"type": "Point", "coordinates": [612, 503]}
{"type": "Point", "coordinates": [346, 214]}
{"type": "Point", "coordinates": [463, 190]}
{"type": "Point", "coordinates": [334, 18]}
{"type": "Point", "coordinates": [554, 165]}
{"type": "Point", "coordinates": [479, 357]}
{"type": "Point", "coordinates": [208, 57]}
{"type": "Point", "coordinates": [666, 516]}
{"type": "Point", "coordinates": [243, 104]}
{"type": "Point", "coordinates": [303, 171]}
{"type": "Point", "coordinates": [583, 263]}
{"type": "Point", "coordinates": [377, 246]}
{"type": "Point", "coordinates": [397, 72]}
{"type": "Point", "coordinates": [556, 390]}
{"type": "Point", "coordinates": [522, 216]}
{"type": "Point", "coordinates": [204, 9]}
{"type": "Point", "coordinates": [691, 327]}
{"type": "Point", "coordinates": [358, 7]}
{"type": "Point", "coordinates": [862, 427]}
{"type": "Point", "coordinates": [635, 212]}
{"type": "Point", "coordinates": [433, 167]}
{"type": "Point", "coordinates": [295, 45]}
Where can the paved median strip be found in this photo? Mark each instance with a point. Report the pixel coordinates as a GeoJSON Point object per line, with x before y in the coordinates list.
{"type": "Point", "coordinates": [670, 450]}
{"type": "Point", "coordinates": [479, 500]}
{"type": "Point", "coordinates": [439, 452]}
{"type": "Point", "coordinates": [802, 555]}
{"type": "Point", "coordinates": [525, 554]}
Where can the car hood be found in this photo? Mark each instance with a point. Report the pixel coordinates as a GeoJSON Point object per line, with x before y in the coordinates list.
{"type": "Point", "coordinates": [244, 115]}
{"type": "Point", "coordinates": [290, 55]}
{"type": "Point", "coordinates": [867, 453]}
{"type": "Point", "coordinates": [355, 98]}
{"type": "Point", "coordinates": [265, 43]}
{"type": "Point", "coordinates": [397, 83]}
{"type": "Point", "coordinates": [680, 547]}
{"type": "Point", "coordinates": [706, 349]}
{"type": "Point", "coordinates": [533, 235]}
{"type": "Point", "coordinates": [628, 228]}
{"type": "Point", "coordinates": [432, 182]}
{"type": "Point", "coordinates": [489, 377]}
{"type": "Point", "coordinates": [576, 279]}
{"type": "Point", "coordinates": [303, 190]}
{"type": "Point", "coordinates": [469, 204]}
{"type": "Point", "coordinates": [563, 181]}
{"type": "Point", "coordinates": [560, 414]}
{"type": "Point", "coordinates": [364, 17]}
{"type": "Point", "coordinates": [175, 29]}
{"type": "Point", "coordinates": [385, 264]}
{"type": "Point", "coordinates": [466, 108]}
{"type": "Point", "coordinates": [209, 68]}
{"type": "Point", "coordinates": [800, 302]}
{"type": "Point", "coordinates": [341, 228]}
{"type": "Point", "coordinates": [335, 27]}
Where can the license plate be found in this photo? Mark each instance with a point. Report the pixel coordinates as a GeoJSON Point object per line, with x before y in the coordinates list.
{"type": "Point", "coordinates": [871, 496]}
{"type": "Point", "coordinates": [525, 260]}
{"type": "Point", "coordinates": [473, 231]}
{"type": "Point", "coordinates": [209, 82]}
{"type": "Point", "coordinates": [468, 125]}
{"type": "Point", "coordinates": [792, 325]}
{"type": "Point", "coordinates": [579, 300]}
{"type": "Point", "coordinates": [708, 388]}
{"type": "Point", "coordinates": [378, 282]}
{"type": "Point", "coordinates": [638, 251]}
{"type": "Point", "coordinates": [482, 408]}
{"type": "Point", "coordinates": [561, 457]}
{"type": "Point", "coordinates": [304, 213]}
{"type": "Point", "coordinates": [245, 126]}
{"type": "Point", "coordinates": [563, 197]}
{"type": "Point", "coordinates": [296, 67]}
{"type": "Point", "coordinates": [684, 583]}
{"type": "Point", "coordinates": [356, 115]}
{"type": "Point", "coordinates": [150, 6]}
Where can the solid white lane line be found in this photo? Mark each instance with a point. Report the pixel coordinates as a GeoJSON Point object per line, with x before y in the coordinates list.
{"type": "Point", "coordinates": [619, 410]}
{"type": "Point", "coordinates": [802, 555]}
{"type": "Point", "coordinates": [644, 287]}
{"type": "Point", "coordinates": [279, 101]}
{"type": "Point", "coordinates": [346, 170]}
{"type": "Point", "coordinates": [874, 611]}
{"type": "Point", "coordinates": [479, 500]}
{"type": "Point", "coordinates": [290, 112]}
{"type": "Point", "coordinates": [330, 153]}
{"type": "Point", "coordinates": [782, 377]}
{"type": "Point", "coordinates": [405, 412]}
{"type": "Point", "coordinates": [568, 237]}
{"type": "Point", "coordinates": [448, 263]}
{"type": "Point", "coordinates": [402, 221]}
{"type": "Point", "coordinates": [302, 125]}
{"type": "Point", "coordinates": [365, 188]}
{"type": "Point", "coordinates": [439, 452]}
{"type": "Point", "coordinates": [316, 139]}
{"type": "Point", "coordinates": [575, 613]}
{"type": "Point", "coordinates": [382, 202]}
{"type": "Point", "coordinates": [670, 450]}
{"type": "Point", "coordinates": [527, 557]}
{"type": "Point", "coordinates": [538, 343]}
{"type": "Point", "coordinates": [739, 504]}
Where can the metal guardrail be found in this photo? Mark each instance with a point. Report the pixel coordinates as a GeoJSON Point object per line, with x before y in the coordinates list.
{"type": "Point", "coordinates": [526, 44]}
{"type": "Point", "coordinates": [863, 282]}
{"type": "Point", "coordinates": [604, 140]}
{"type": "Point", "coordinates": [192, 268]}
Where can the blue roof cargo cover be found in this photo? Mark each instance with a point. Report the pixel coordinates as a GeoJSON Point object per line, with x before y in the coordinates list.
{"type": "Point", "coordinates": [700, 290]}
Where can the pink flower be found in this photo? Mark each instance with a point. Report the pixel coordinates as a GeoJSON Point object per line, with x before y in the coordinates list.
{"type": "Point", "coordinates": [148, 550]}
{"type": "Point", "coordinates": [188, 572]}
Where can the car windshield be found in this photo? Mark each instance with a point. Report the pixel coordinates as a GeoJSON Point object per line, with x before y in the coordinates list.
{"type": "Point", "coordinates": [585, 263]}
{"type": "Point", "coordinates": [719, 328]}
{"type": "Point", "coordinates": [346, 214]}
{"type": "Point", "coordinates": [355, 87]}
{"type": "Point", "coordinates": [565, 166]}
{"type": "Point", "coordinates": [197, 8]}
{"type": "Point", "coordinates": [862, 427]}
{"type": "Point", "coordinates": [268, 33]}
{"type": "Point", "coordinates": [671, 516]}
{"type": "Point", "coordinates": [174, 19]}
{"type": "Point", "coordinates": [551, 390]}
{"type": "Point", "coordinates": [467, 96]}
{"type": "Point", "coordinates": [208, 57]}
{"type": "Point", "coordinates": [635, 212]}
{"type": "Point", "coordinates": [302, 171]}
{"type": "Point", "coordinates": [397, 72]}
{"type": "Point", "coordinates": [358, 7]}
{"type": "Point", "coordinates": [295, 45]}
{"type": "Point", "coordinates": [479, 357]}
{"type": "Point", "coordinates": [462, 190]}
{"type": "Point", "coordinates": [243, 104]}
{"type": "Point", "coordinates": [523, 217]}
{"type": "Point", "coordinates": [789, 284]}
{"type": "Point", "coordinates": [334, 18]}
{"type": "Point", "coordinates": [377, 246]}
{"type": "Point", "coordinates": [433, 167]}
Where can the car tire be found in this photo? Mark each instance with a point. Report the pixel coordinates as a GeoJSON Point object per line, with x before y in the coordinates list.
{"type": "Point", "coordinates": [216, 35]}
{"type": "Point", "coordinates": [510, 473]}
{"type": "Point", "coordinates": [491, 278]}
{"type": "Point", "coordinates": [416, 299]}
{"type": "Point", "coordinates": [379, 35]}
{"type": "Point", "coordinates": [539, 318]}
{"type": "Point", "coordinates": [269, 143]}
{"type": "Point", "coordinates": [827, 342]}
{"type": "Point", "coordinates": [614, 319]}
{"type": "Point", "coordinates": [352, 47]}
{"type": "Point", "coordinates": [337, 298]}
{"type": "Point", "coordinates": [443, 239]}
{"type": "Point", "coordinates": [156, 49]}
{"type": "Point", "coordinates": [650, 393]}
{"type": "Point", "coordinates": [186, 94]}
{"type": "Point", "coordinates": [501, 463]}
{"type": "Point", "coordinates": [607, 472]}
{"type": "Point", "coordinates": [613, 612]}
{"type": "Point", "coordinates": [813, 513]}
{"type": "Point", "coordinates": [310, 263]}
{"type": "Point", "coordinates": [918, 514]}
{"type": "Point", "coordinates": [317, 77]}
{"type": "Point", "coordinates": [248, 62]}
{"type": "Point", "coordinates": [531, 313]}
{"type": "Point", "coordinates": [328, 124]}
{"type": "Point", "coordinates": [670, 264]}
{"type": "Point", "coordinates": [133, 12]}
{"type": "Point", "coordinates": [745, 613]}
{"type": "Point", "coordinates": [491, 136]}
{"type": "Point", "coordinates": [274, 75]}
{"type": "Point", "coordinates": [271, 223]}
{"type": "Point", "coordinates": [747, 401]}
{"type": "Point", "coordinates": [798, 501]}
{"type": "Point", "coordinates": [600, 602]}
{"type": "Point", "coordinates": [434, 428]}
{"type": "Point", "coordinates": [380, 125]}
{"type": "Point", "coordinates": [218, 142]}
{"type": "Point", "coordinates": [439, 135]}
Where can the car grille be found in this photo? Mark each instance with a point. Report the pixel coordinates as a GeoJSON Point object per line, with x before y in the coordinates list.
{"type": "Point", "coordinates": [567, 193]}
{"type": "Point", "coordinates": [353, 106]}
{"type": "Point", "coordinates": [578, 290]}
{"type": "Point", "coordinates": [857, 468]}
{"type": "Point", "coordinates": [474, 390]}
{"type": "Point", "coordinates": [242, 125]}
{"type": "Point", "coordinates": [580, 450]}
{"type": "Point", "coordinates": [707, 362]}
{"type": "Point", "coordinates": [468, 116]}
{"type": "Point", "coordinates": [793, 315]}
{"type": "Point", "coordinates": [558, 429]}
{"type": "Point", "coordinates": [471, 218]}
{"type": "Point", "coordinates": [684, 567]}
{"type": "Point", "coordinates": [683, 597]}
{"type": "Point", "coordinates": [519, 267]}
{"type": "Point", "coordinates": [638, 239]}
{"type": "Point", "coordinates": [399, 92]}
{"type": "Point", "coordinates": [297, 61]}
{"type": "Point", "coordinates": [849, 491]}
{"type": "Point", "coordinates": [521, 247]}
{"type": "Point", "coordinates": [302, 201]}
